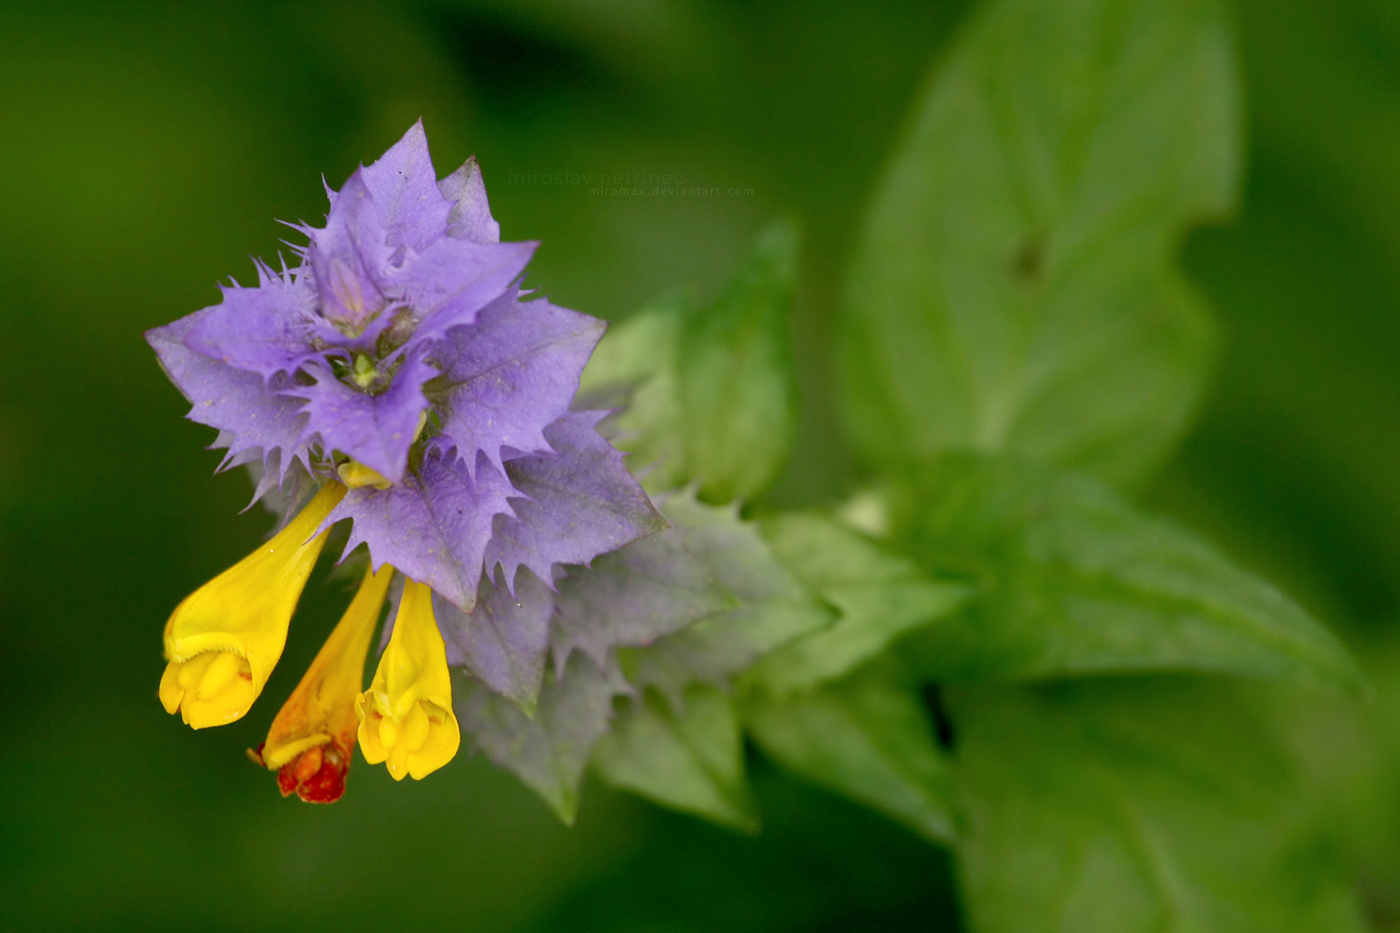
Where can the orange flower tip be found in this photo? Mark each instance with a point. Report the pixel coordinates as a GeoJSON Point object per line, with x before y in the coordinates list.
{"type": "Point", "coordinates": [310, 741]}
{"type": "Point", "coordinates": [284, 752]}
{"type": "Point", "coordinates": [317, 775]}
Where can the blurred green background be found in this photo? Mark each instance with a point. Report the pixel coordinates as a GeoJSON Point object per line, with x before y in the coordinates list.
{"type": "Point", "coordinates": [148, 149]}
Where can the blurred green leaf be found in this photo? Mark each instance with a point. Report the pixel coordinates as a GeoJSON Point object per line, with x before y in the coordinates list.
{"type": "Point", "coordinates": [1351, 751]}
{"type": "Point", "coordinates": [691, 759]}
{"type": "Point", "coordinates": [879, 595]}
{"type": "Point", "coordinates": [737, 385]}
{"type": "Point", "coordinates": [550, 750]}
{"type": "Point", "coordinates": [1015, 287]}
{"type": "Point", "coordinates": [1136, 804]}
{"type": "Point", "coordinates": [1075, 580]}
{"type": "Point", "coordinates": [709, 389]}
{"type": "Point", "coordinates": [867, 737]}
{"type": "Point", "coordinates": [634, 368]}
{"type": "Point", "coordinates": [770, 607]}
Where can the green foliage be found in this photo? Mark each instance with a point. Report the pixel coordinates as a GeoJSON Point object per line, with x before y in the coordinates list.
{"type": "Point", "coordinates": [1016, 341]}
{"type": "Point", "coordinates": [549, 750]}
{"type": "Point", "coordinates": [867, 737]}
{"type": "Point", "coordinates": [1014, 289]}
{"type": "Point", "coordinates": [690, 759]}
{"type": "Point", "coordinates": [1075, 581]}
{"type": "Point", "coordinates": [736, 377]}
{"type": "Point", "coordinates": [878, 595]}
{"type": "Point", "coordinates": [1029, 219]}
{"type": "Point", "coordinates": [1141, 804]}
{"type": "Point", "coordinates": [1351, 754]}
{"type": "Point", "coordinates": [770, 608]}
{"type": "Point", "coordinates": [635, 366]}
{"type": "Point", "coordinates": [653, 587]}
{"type": "Point", "coordinates": [709, 388]}
{"type": "Point", "coordinates": [684, 612]}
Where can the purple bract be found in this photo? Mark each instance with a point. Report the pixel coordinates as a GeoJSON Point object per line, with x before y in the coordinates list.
{"type": "Point", "coordinates": [400, 344]}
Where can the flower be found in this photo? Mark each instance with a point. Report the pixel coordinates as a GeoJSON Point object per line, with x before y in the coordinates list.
{"type": "Point", "coordinates": [400, 368]}
{"type": "Point", "coordinates": [224, 639]}
{"type": "Point", "coordinates": [310, 742]}
{"type": "Point", "coordinates": [406, 715]}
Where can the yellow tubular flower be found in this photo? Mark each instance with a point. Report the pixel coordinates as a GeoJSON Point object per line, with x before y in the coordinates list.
{"type": "Point", "coordinates": [355, 474]}
{"type": "Point", "coordinates": [406, 715]}
{"type": "Point", "coordinates": [223, 641]}
{"type": "Point", "coordinates": [310, 742]}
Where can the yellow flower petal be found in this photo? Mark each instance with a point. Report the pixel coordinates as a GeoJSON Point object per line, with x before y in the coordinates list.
{"type": "Point", "coordinates": [355, 475]}
{"type": "Point", "coordinates": [223, 641]}
{"type": "Point", "coordinates": [406, 718]}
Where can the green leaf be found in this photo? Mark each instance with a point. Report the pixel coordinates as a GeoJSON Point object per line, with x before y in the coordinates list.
{"type": "Point", "coordinates": [1075, 581]}
{"type": "Point", "coordinates": [648, 589]}
{"type": "Point", "coordinates": [867, 737]}
{"type": "Point", "coordinates": [691, 759]}
{"type": "Point", "coordinates": [1352, 751]}
{"type": "Point", "coordinates": [634, 368]}
{"type": "Point", "coordinates": [879, 595]}
{"type": "Point", "coordinates": [737, 385]}
{"type": "Point", "coordinates": [1136, 804]}
{"type": "Point", "coordinates": [550, 750]}
{"type": "Point", "coordinates": [769, 607]}
{"type": "Point", "coordinates": [1015, 288]}
{"type": "Point", "coordinates": [709, 389]}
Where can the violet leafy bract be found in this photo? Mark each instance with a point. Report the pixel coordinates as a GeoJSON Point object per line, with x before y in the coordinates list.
{"type": "Point", "coordinates": [681, 611]}
{"type": "Point", "coordinates": [550, 750]}
{"type": "Point", "coordinates": [503, 641]}
{"type": "Point", "coordinates": [399, 358]}
{"type": "Point", "coordinates": [771, 608]}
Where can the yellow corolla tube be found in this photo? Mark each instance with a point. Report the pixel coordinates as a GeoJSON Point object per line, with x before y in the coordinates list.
{"type": "Point", "coordinates": [406, 717]}
{"type": "Point", "coordinates": [311, 740]}
{"type": "Point", "coordinates": [223, 641]}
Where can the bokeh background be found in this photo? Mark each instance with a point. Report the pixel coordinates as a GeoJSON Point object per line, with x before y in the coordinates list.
{"type": "Point", "coordinates": [146, 150]}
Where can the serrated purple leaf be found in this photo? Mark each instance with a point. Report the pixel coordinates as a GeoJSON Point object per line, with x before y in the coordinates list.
{"type": "Point", "coordinates": [349, 259]}
{"type": "Point", "coordinates": [434, 526]}
{"type": "Point", "coordinates": [470, 217]}
{"type": "Point", "coordinates": [449, 283]}
{"type": "Point", "coordinates": [248, 415]}
{"type": "Point", "coordinates": [503, 640]}
{"type": "Point", "coordinates": [578, 503]}
{"type": "Point", "coordinates": [507, 376]}
{"type": "Point", "coordinates": [633, 596]}
{"type": "Point", "coordinates": [261, 330]}
{"type": "Point", "coordinates": [402, 182]}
